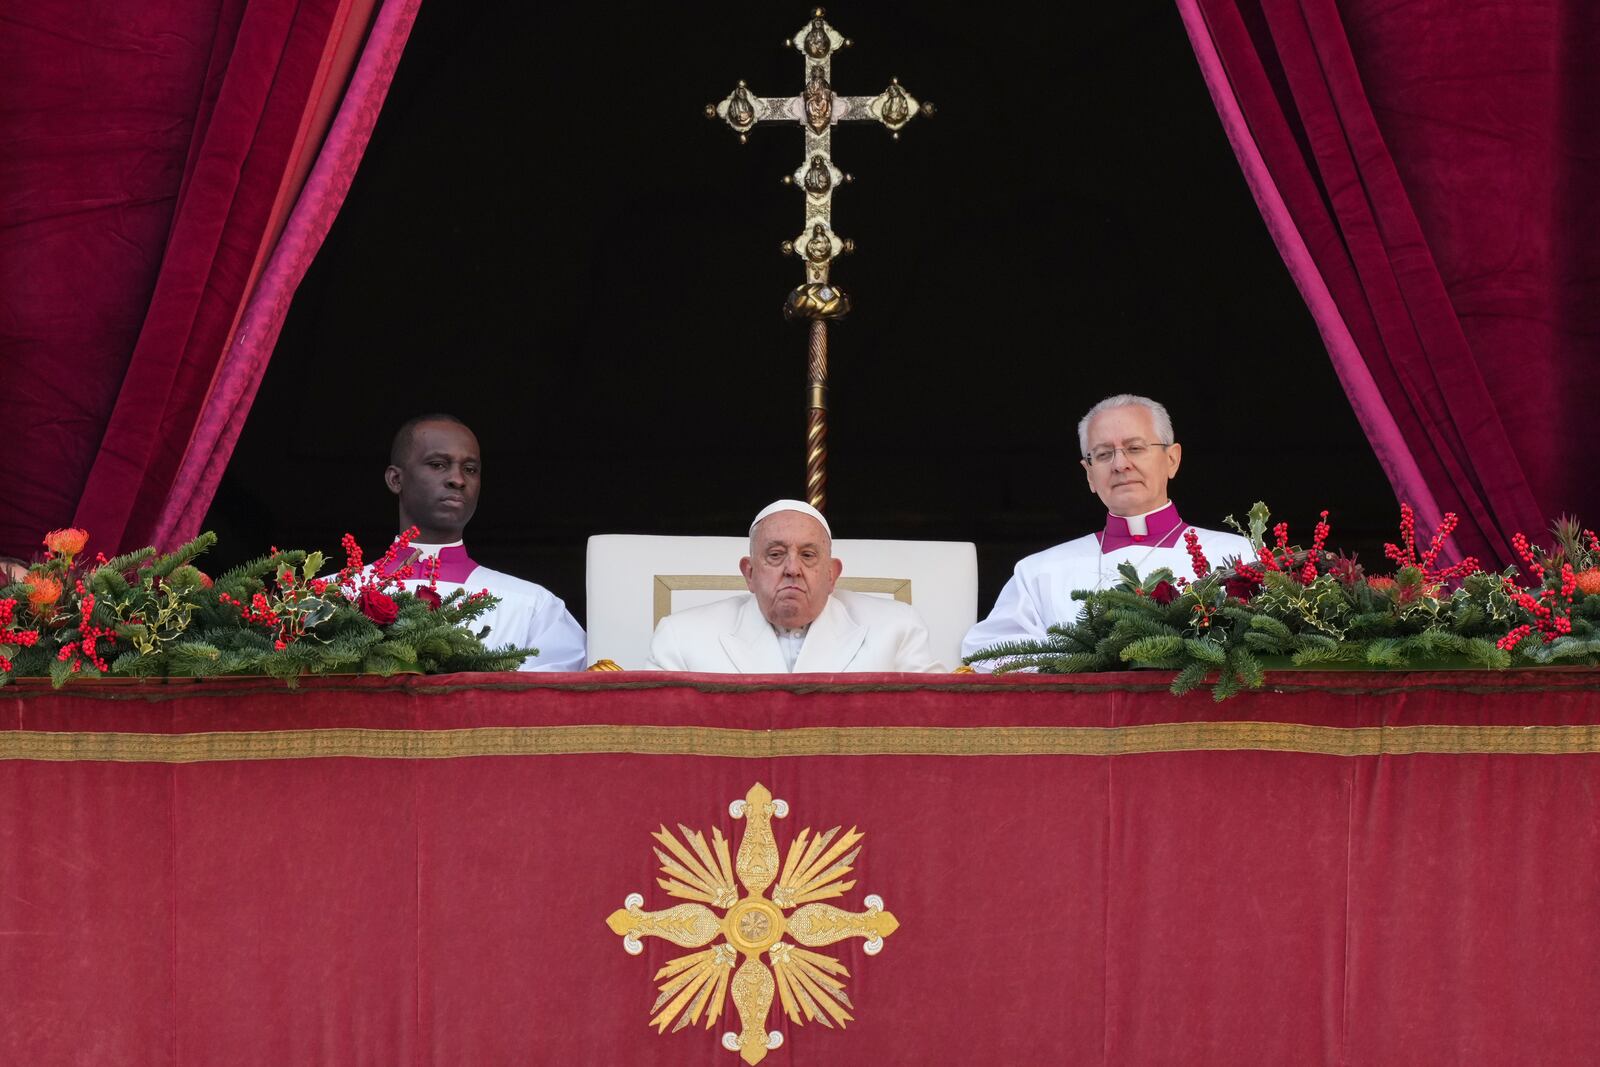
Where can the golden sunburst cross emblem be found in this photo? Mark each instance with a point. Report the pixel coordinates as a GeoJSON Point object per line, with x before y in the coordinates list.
{"type": "Point", "coordinates": [810, 984]}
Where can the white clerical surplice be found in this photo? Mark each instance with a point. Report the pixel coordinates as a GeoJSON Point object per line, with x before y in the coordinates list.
{"type": "Point", "coordinates": [528, 615]}
{"type": "Point", "coordinates": [1039, 593]}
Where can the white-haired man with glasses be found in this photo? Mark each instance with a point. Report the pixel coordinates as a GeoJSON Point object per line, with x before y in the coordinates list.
{"type": "Point", "coordinates": [1129, 455]}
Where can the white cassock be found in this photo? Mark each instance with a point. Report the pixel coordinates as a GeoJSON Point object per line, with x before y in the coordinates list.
{"type": "Point", "coordinates": [528, 615]}
{"type": "Point", "coordinates": [1039, 593]}
{"type": "Point", "coordinates": [854, 632]}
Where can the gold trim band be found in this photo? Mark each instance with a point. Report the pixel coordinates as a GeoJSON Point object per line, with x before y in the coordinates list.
{"type": "Point", "coordinates": [808, 741]}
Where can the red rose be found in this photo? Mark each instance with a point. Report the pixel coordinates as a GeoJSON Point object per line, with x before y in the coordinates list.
{"type": "Point", "coordinates": [379, 607]}
{"type": "Point", "coordinates": [1164, 593]}
{"type": "Point", "coordinates": [1243, 583]}
{"type": "Point", "coordinates": [430, 597]}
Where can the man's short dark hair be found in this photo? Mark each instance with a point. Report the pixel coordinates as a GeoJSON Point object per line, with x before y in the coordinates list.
{"type": "Point", "coordinates": [402, 436]}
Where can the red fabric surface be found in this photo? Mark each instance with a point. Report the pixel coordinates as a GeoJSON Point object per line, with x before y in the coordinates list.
{"type": "Point", "coordinates": [293, 240]}
{"type": "Point", "coordinates": [1435, 163]}
{"type": "Point", "coordinates": [1185, 906]}
{"type": "Point", "coordinates": [141, 166]}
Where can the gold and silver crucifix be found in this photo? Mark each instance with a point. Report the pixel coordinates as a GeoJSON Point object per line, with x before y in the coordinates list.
{"type": "Point", "coordinates": [817, 109]}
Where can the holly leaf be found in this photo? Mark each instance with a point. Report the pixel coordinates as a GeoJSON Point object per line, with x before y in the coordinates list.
{"type": "Point", "coordinates": [318, 611]}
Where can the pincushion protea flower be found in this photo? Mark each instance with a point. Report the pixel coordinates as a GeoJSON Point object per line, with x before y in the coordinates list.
{"type": "Point", "coordinates": [43, 592]}
{"type": "Point", "coordinates": [68, 542]}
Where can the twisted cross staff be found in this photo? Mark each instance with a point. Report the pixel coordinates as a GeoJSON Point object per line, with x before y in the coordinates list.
{"type": "Point", "coordinates": [817, 109]}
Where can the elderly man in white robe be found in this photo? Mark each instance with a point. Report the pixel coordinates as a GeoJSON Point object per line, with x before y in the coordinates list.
{"type": "Point", "coordinates": [435, 473]}
{"type": "Point", "coordinates": [793, 620]}
{"type": "Point", "coordinates": [1129, 455]}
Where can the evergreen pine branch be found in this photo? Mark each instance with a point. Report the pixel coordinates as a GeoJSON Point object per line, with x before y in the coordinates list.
{"type": "Point", "coordinates": [1188, 678]}
{"type": "Point", "coordinates": [1045, 663]}
{"type": "Point", "coordinates": [1248, 668]}
{"type": "Point", "coordinates": [1569, 648]}
{"type": "Point", "coordinates": [1371, 624]}
{"type": "Point", "coordinates": [1327, 653]}
{"type": "Point", "coordinates": [133, 665]}
{"type": "Point", "coordinates": [182, 555]}
{"type": "Point", "coordinates": [128, 561]}
{"type": "Point", "coordinates": [60, 671]}
{"type": "Point", "coordinates": [1007, 649]}
{"type": "Point", "coordinates": [106, 583]}
{"type": "Point", "coordinates": [194, 659]}
{"type": "Point", "coordinates": [1486, 654]}
{"type": "Point", "coordinates": [1205, 654]}
{"type": "Point", "coordinates": [1157, 650]}
{"type": "Point", "coordinates": [1383, 652]}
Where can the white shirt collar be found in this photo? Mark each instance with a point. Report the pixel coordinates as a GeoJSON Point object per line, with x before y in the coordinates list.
{"type": "Point", "coordinates": [790, 642]}
{"type": "Point", "coordinates": [434, 550]}
{"type": "Point", "coordinates": [1136, 523]}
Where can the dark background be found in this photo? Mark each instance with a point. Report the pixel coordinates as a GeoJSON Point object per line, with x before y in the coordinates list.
{"type": "Point", "coordinates": [548, 239]}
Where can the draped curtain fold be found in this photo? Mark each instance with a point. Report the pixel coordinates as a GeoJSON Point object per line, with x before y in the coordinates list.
{"type": "Point", "coordinates": [238, 376]}
{"type": "Point", "coordinates": [151, 157]}
{"type": "Point", "coordinates": [1427, 171]}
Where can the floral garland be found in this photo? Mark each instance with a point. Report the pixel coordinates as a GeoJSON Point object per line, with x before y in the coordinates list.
{"type": "Point", "coordinates": [145, 614]}
{"type": "Point", "coordinates": [1309, 607]}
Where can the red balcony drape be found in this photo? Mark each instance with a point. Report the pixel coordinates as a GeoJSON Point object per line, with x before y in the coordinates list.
{"type": "Point", "coordinates": [152, 156]}
{"type": "Point", "coordinates": [1429, 175]}
{"type": "Point", "coordinates": [1340, 868]}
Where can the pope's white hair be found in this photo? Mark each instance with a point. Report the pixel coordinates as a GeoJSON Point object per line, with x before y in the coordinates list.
{"type": "Point", "coordinates": [1158, 414]}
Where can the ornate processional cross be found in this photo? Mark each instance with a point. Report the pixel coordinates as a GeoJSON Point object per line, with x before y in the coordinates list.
{"type": "Point", "coordinates": [817, 109]}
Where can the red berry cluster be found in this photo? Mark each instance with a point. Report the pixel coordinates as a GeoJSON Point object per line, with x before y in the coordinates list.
{"type": "Point", "coordinates": [1244, 583]}
{"type": "Point", "coordinates": [1551, 609]}
{"type": "Point", "coordinates": [1280, 558]}
{"type": "Point", "coordinates": [1514, 637]}
{"type": "Point", "coordinates": [1319, 537]}
{"type": "Point", "coordinates": [258, 611]}
{"type": "Point", "coordinates": [280, 613]}
{"type": "Point", "coordinates": [1408, 558]}
{"type": "Point", "coordinates": [1519, 542]}
{"type": "Point", "coordinates": [1197, 555]}
{"type": "Point", "coordinates": [1408, 536]}
{"type": "Point", "coordinates": [365, 587]}
{"type": "Point", "coordinates": [1247, 578]}
{"type": "Point", "coordinates": [9, 636]}
{"type": "Point", "coordinates": [352, 552]}
{"type": "Point", "coordinates": [87, 646]}
{"type": "Point", "coordinates": [386, 568]}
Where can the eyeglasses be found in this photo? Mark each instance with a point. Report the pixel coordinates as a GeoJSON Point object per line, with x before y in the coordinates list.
{"type": "Point", "coordinates": [1135, 452]}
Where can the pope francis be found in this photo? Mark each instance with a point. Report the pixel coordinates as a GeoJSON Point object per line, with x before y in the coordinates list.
{"type": "Point", "coordinates": [792, 620]}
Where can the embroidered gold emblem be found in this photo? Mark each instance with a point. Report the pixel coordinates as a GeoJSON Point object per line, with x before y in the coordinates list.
{"type": "Point", "coordinates": [809, 984]}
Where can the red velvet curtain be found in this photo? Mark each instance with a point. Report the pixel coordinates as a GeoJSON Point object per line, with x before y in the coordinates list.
{"type": "Point", "coordinates": [1429, 172]}
{"type": "Point", "coordinates": [149, 154]}
{"type": "Point", "coordinates": [1375, 870]}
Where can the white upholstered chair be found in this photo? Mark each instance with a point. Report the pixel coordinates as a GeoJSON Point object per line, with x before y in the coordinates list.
{"type": "Point", "coordinates": [634, 580]}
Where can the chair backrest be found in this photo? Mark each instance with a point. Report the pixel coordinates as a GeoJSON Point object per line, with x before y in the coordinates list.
{"type": "Point", "coordinates": [634, 580]}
